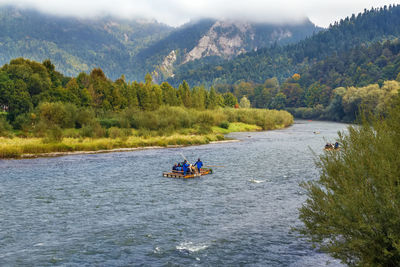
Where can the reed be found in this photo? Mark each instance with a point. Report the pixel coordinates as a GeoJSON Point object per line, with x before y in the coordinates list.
{"type": "Point", "coordinates": [164, 127]}
{"type": "Point", "coordinates": [17, 147]}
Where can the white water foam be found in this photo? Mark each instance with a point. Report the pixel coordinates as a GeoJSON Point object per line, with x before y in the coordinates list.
{"type": "Point", "coordinates": [254, 181]}
{"type": "Point", "coordinates": [189, 246]}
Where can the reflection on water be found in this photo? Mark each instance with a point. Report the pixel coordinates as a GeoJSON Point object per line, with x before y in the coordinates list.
{"type": "Point", "coordinates": [116, 209]}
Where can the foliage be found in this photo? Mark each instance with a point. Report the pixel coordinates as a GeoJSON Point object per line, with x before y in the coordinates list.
{"type": "Point", "coordinates": [352, 211]}
{"type": "Point", "coordinates": [77, 45]}
{"type": "Point", "coordinates": [5, 127]}
{"type": "Point", "coordinates": [355, 32]}
{"type": "Point", "coordinates": [244, 102]}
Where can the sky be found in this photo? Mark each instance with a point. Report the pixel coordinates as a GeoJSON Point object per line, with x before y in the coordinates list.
{"type": "Point", "coordinates": [178, 12]}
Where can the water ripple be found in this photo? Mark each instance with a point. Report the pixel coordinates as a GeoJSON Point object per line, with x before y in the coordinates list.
{"type": "Point", "coordinates": [117, 210]}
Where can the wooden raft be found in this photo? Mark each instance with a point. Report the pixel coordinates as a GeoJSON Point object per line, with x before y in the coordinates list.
{"type": "Point", "coordinates": [177, 174]}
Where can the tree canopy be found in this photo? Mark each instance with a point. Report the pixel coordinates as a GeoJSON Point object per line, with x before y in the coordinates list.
{"type": "Point", "coordinates": [353, 210]}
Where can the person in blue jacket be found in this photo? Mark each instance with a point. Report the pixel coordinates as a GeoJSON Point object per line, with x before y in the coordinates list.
{"type": "Point", "coordinates": [199, 164]}
{"type": "Point", "coordinates": [185, 167]}
{"type": "Point", "coordinates": [336, 145]}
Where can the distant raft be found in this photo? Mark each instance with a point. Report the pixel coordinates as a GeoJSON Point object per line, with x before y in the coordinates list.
{"type": "Point", "coordinates": [331, 148]}
{"type": "Point", "coordinates": [179, 174]}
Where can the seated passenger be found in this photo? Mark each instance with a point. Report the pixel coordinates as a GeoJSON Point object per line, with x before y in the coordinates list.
{"type": "Point", "coordinates": [179, 168]}
{"type": "Point", "coordinates": [185, 167]}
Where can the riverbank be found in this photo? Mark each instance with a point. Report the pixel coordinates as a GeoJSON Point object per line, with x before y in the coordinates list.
{"type": "Point", "coordinates": [18, 147]}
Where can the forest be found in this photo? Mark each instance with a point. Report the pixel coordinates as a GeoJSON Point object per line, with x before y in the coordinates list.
{"type": "Point", "coordinates": [358, 32]}
{"type": "Point", "coordinates": [39, 102]}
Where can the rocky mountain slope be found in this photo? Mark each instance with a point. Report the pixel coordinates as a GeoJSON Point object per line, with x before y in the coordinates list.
{"type": "Point", "coordinates": [133, 47]}
{"type": "Point", "coordinates": [361, 30]}
{"type": "Point", "coordinates": [217, 40]}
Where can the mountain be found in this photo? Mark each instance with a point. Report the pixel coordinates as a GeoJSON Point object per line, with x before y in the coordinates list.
{"type": "Point", "coordinates": [283, 61]}
{"type": "Point", "coordinates": [133, 47]}
{"type": "Point", "coordinates": [73, 44]}
{"type": "Point", "coordinates": [215, 40]}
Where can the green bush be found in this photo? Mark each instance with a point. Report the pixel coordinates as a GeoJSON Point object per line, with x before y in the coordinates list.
{"type": "Point", "coordinates": [115, 132]}
{"type": "Point", "coordinates": [93, 130]}
{"type": "Point", "coordinates": [109, 122]}
{"type": "Point", "coordinates": [5, 127]}
{"type": "Point", "coordinates": [224, 124]}
{"type": "Point", "coordinates": [61, 114]}
{"type": "Point", "coordinates": [84, 116]}
{"type": "Point", "coordinates": [54, 135]}
{"type": "Point", "coordinates": [352, 211]}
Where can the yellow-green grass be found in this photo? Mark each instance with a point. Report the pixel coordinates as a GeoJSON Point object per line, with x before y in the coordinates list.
{"type": "Point", "coordinates": [18, 147]}
{"type": "Point", "coordinates": [237, 127]}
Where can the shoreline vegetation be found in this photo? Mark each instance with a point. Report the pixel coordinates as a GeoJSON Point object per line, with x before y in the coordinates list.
{"type": "Point", "coordinates": [206, 127]}
{"type": "Point", "coordinates": [33, 147]}
{"type": "Point", "coordinates": [43, 111]}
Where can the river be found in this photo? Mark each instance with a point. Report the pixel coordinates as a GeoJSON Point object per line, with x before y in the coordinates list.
{"type": "Point", "coordinates": [116, 209]}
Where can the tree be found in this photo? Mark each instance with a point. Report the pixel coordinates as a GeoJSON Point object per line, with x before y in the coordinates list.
{"type": "Point", "coordinates": [353, 210]}
{"type": "Point", "coordinates": [278, 102]}
{"type": "Point", "coordinates": [169, 95]}
{"type": "Point", "coordinates": [293, 93]}
{"type": "Point", "coordinates": [212, 99]}
{"type": "Point", "coordinates": [199, 95]}
{"type": "Point", "coordinates": [229, 100]}
{"type": "Point", "coordinates": [244, 102]}
{"type": "Point", "coordinates": [184, 92]}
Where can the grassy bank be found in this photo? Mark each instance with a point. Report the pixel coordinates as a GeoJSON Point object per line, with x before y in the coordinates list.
{"type": "Point", "coordinates": [169, 126]}
{"type": "Point", "coordinates": [18, 147]}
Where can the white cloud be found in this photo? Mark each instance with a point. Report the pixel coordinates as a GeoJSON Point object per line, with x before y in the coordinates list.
{"type": "Point", "coordinates": [176, 12]}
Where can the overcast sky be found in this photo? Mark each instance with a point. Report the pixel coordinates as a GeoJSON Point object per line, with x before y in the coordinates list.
{"type": "Point", "coordinates": [177, 12]}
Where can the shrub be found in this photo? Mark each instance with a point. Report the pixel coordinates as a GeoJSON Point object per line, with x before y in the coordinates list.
{"type": "Point", "coordinates": [5, 127]}
{"type": "Point", "coordinates": [352, 211]}
{"type": "Point", "coordinates": [54, 135]}
{"type": "Point", "coordinates": [84, 116]}
{"type": "Point", "coordinates": [115, 132]}
{"type": "Point", "coordinates": [60, 114]}
{"type": "Point", "coordinates": [224, 124]}
{"type": "Point", "coordinates": [109, 122]}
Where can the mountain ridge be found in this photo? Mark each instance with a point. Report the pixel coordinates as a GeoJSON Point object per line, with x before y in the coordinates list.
{"type": "Point", "coordinates": [128, 47]}
{"type": "Point", "coordinates": [282, 62]}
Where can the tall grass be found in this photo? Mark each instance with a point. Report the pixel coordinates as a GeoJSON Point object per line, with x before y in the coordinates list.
{"type": "Point", "coordinates": [178, 117]}
{"type": "Point", "coordinates": [163, 127]}
{"type": "Point", "coordinates": [17, 147]}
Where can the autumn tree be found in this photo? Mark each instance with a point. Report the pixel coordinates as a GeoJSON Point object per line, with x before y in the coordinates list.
{"type": "Point", "coordinates": [244, 102]}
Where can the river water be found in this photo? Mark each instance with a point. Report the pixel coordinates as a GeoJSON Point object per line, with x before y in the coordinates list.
{"type": "Point", "coordinates": [116, 209]}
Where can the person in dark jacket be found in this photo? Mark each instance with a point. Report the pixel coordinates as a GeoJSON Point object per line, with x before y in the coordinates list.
{"type": "Point", "coordinates": [199, 164]}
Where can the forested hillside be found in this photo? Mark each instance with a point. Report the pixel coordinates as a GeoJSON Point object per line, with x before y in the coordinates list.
{"type": "Point", "coordinates": [132, 47]}
{"type": "Point", "coordinates": [282, 62]}
{"type": "Point", "coordinates": [76, 45]}
{"type": "Point", "coordinates": [211, 41]}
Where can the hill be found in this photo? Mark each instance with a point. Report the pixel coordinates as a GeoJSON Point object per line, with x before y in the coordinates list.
{"type": "Point", "coordinates": [282, 62]}
{"type": "Point", "coordinates": [132, 47]}
{"type": "Point", "coordinates": [73, 44]}
{"type": "Point", "coordinates": [211, 40]}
